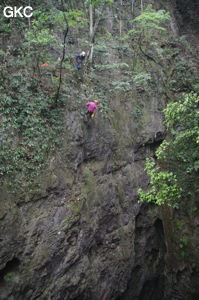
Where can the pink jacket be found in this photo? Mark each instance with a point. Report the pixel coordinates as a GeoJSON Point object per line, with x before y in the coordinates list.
{"type": "Point", "coordinates": [91, 106]}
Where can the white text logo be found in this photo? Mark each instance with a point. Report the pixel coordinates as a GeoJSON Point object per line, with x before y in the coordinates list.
{"type": "Point", "coordinates": [14, 12]}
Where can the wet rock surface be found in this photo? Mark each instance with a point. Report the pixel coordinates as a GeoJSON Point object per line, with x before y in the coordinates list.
{"type": "Point", "coordinates": [85, 238]}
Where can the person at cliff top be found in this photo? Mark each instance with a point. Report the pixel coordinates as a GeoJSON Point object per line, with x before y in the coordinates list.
{"type": "Point", "coordinates": [79, 59]}
{"type": "Point", "coordinates": [92, 108]}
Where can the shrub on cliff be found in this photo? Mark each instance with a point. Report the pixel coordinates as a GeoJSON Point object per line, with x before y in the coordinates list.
{"type": "Point", "coordinates": [178, 155]}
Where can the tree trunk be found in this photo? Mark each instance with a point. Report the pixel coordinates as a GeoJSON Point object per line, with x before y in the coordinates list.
{"type": "Point", "coordinates": [141, 4]}
{"type": "Point", "coordinates": [91, 19]}
{"type": "Point", "coordinates": [91, 33]}
{"type": "Point", "coordinates": [29, 22]}
{"type": "Point", "coordinates": [93, 27]}
{"type": "Point", "coordinates": [132, 5]}
{"type": "Point", "coordinates": [120, 22]}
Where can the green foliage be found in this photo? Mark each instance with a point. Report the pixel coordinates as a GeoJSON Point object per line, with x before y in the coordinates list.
{"type": "Point", "coordinates": [165, 188]}
{"type": "Point", "coordinates": [122, 86]}
{"type": "Point", "coordinates": [182, 121]}
{"type": "Point", "coordinates": [181, 238]}
{"type": "Point", "coordinates": [151, 19]}
{"type": "Point", "coordinates": [112, 66]}
{"type": "Point", "coordinates": [137, 113]}
{"type": "Point", "coordinates": [5, 26]}
{"type": "Point", "coordinates": [142, 79]}
{"type": "Point", "coordinates": [97, 3]}
{"type": "Point", "coordinates": [42, 20]}
{"type": "Point", "coordinates": [180, 225]}
{"type": "Point", "coordinates": [74, 18]}
{"type": "Point", "coordinates": [54, 18]}
{"type": "Point", "coordinates": [103, 108]}
{"type": "Point", "coordinates": [101, 48]}
{"type": "Point", "coordinates": [40, 37]}
{"type": "Point", "coordinates": [183, 243]}
{"type": "Point", "coordinates": [149, 32]}
{"type": "Point", "coordinates": [11, 277]}
{"type": "Point", "coordinates": [179, 154]}
{"type": "Point", "coordinates": [28, 132]}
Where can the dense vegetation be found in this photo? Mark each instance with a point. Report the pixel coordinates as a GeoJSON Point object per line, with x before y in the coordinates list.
{"type": "Point", "coordinates": [178, 155]}
{"type": "Point", "coordinates": [33, 96]}
{"type": "Point", "coordinates": [31, 112]}
{"type": "Point", "coordinates": [71, 187]}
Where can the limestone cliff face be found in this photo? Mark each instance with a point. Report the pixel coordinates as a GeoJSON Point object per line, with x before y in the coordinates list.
{"type": "Point", "coordinates": [85, 236]}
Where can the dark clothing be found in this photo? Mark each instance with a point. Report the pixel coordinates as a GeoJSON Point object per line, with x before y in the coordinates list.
{"type": "Point", "coordinates": [79, 61]}
{"type": "Point", "coordinates": [90, 114]}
